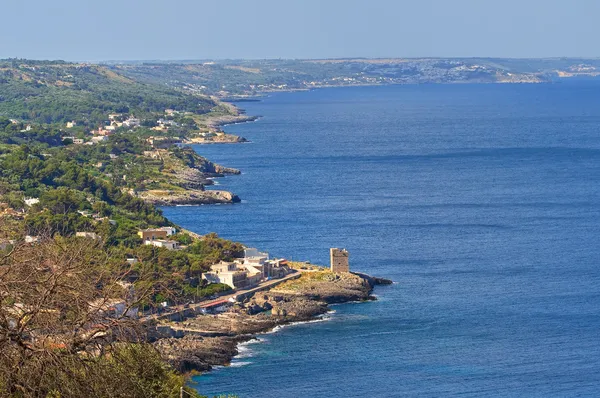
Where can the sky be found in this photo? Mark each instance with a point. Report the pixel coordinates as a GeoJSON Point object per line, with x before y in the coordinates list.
{"type": "Point", "coordinates": [97, 30]}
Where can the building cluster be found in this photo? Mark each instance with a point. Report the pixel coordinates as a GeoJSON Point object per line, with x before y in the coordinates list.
{"type": "Point", "coordinates": [164, 125]}
{"type": "Point", "coordinates": [102, 133]}
{"type": "Point", "coordinates": [117, 120]}
{"type": "Point", "coordinates": [248, 271]}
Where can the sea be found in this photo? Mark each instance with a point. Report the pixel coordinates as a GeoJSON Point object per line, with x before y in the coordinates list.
{"type": "Point", "coordinates": [480, 202]}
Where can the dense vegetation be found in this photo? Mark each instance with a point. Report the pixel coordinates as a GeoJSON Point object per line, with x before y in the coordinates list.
{"type": "Point", "coordinates": [54, 342]}
{"type": "Point", "coordinates": [60, 336]}
{"type": "Point", "coordinates": [50, 92]}
{"type": "Point", "coordinates": [74, 197]}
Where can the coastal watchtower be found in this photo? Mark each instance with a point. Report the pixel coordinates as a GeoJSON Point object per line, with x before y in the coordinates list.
{"type": "Point", "coordinates": [339, 260]}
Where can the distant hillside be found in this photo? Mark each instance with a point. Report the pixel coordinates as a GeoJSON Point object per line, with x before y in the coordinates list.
{"type": "Point", "coordinates": [250, 77]}
{"type": "Point", "coordinates": [56, 91]}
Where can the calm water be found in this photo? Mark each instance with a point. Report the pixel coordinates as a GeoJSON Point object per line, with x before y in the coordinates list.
{"type": "Point", "coordinates": [482, 202]}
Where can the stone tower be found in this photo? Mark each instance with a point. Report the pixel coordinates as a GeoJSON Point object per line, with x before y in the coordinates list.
{"type": "Point", "coordinates": [339, 260]}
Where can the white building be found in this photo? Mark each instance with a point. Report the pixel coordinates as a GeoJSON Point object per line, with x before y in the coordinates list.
{"type": "Point", "coordinates": [253, 256]}
{"type": "Point", "coordinates": [114, 308]}
{"type": "Point", "coordinates": [169, 230]}
{"type": "Point", "coordinates": [99, 138]}
{"type": "Point", "coordinates": [254, 260]}
{"type": "Point", "coordinates": [87, 235]}
{"type": "Point", "coordinates": [31, 201]}
{"type": "Point", "coordinates": [167, 244]}
{"type": "Point", "coordinates": [131, 122]}
{"type": "Point", "coordinates": [235, 275]}
{"type": "Point", "coordinates": [32, 239]}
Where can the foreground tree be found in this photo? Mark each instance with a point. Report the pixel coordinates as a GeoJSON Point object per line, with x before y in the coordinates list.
{"type": "Point", "coordinates": [68, 326]}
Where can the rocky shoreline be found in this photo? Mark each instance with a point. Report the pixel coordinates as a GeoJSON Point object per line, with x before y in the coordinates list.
{"type": "Point", "coordinates": [212, 340]}
{"type": "Point", "coordinates": [185, 182]}
{"type": "Point", "coordinates": [188, 197]}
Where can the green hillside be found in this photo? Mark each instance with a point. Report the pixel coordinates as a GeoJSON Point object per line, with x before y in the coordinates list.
{"type": "Point", "coordinates": [56, 91]}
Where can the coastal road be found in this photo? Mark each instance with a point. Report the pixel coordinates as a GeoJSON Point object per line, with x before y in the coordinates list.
{"type": "Point", "coordinates": [245, 293]}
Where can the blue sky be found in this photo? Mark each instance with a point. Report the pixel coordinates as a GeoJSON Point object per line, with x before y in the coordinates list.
{"type": "Point", "coordinates": [95, 30]}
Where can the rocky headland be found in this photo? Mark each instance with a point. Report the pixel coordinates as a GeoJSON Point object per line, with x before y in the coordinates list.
{"type": "Point", "coordinates": [211, 340]}
{"type": "Point", "coordinates": [181, 177]}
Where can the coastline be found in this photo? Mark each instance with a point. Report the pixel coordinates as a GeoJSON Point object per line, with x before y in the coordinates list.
{"type": "Point", "coordinates": [201, 343]}
{"type": "Point", "coordinates": [207, 341]}
{"type": "Point", "coordinates": [260, 95]}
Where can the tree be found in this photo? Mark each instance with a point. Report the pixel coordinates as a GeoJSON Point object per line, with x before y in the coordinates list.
{"type": "Point", "coordinates": [67, 330]}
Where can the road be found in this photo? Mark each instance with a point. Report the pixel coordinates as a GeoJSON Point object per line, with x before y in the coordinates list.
{"type": "Point", "coordinates": [245, 292]}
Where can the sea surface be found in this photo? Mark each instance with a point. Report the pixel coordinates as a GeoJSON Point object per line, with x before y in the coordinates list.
{"type": "Point", "coordinates": [482, 203]}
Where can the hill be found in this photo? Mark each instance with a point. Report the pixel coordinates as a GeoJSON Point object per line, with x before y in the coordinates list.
{"type": "Point", "coordinates": [251, 77]}
{"type": "Point", "coordinates": [56, 91]}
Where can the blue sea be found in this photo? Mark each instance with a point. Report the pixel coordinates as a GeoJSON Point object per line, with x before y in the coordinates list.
{"type": "Point", "coordinates": [481, 202]}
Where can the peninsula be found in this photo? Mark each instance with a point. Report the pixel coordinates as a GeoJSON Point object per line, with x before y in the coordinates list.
{"type": "Point", "coordinates": [198, 337]}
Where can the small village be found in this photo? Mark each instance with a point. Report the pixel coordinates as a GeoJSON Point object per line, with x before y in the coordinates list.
{"type": "Point", "coordinates": [165, 127]}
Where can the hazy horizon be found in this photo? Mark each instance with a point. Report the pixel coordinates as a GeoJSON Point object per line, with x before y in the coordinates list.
{"type": "Point", "coordinates": [268, 29]}
{"type": "Point", "coordinates": [192, 60]}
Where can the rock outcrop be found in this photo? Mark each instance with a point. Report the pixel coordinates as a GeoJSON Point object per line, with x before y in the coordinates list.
{"type": "Point", "coordinates": [187, 197]}
{"type": "Point", "coordinates": [296, 300]}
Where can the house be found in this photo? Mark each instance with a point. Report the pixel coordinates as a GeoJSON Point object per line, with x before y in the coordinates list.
{"type": "Point", "coordinates": [275, 269]}
{"type": "Point", "coordinates": [131, 122]}
{"type": "Point", "coordinates": [167, 244]}
{"type": "Point", "coordinates": [169, 230]}
{"type": "Point", "coordinates": [32, 239]}
{"type": "Point", "coordinates": [254, 260]}
{"type": "Point", "coordinates": [99, 138]}
{"type": "Point", "coordinates": [31, 201]}
{"type": "Point", "coordinates": [87, 235]}
{"type": "Point", "coordinates": [152, 234]}
{"type": "Point", "coordinates": [71, 124]}
{"type": "Point", "coordinates": [233, 274]}
{"type": "Point", "coordinates": [163, 142]}
{"type": "Point", "coordinates": [102, 132]}
{"type": "Point", "coordinates": [163, 122]}
{"type": "Point", "coordinates": [101, 219]}
{"type": "Point", "coordinates": [152, 154]}
{"type": "Point", "coordinates": [114, 308]}
{"type": "Point", "coordinates": [253, 256]}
